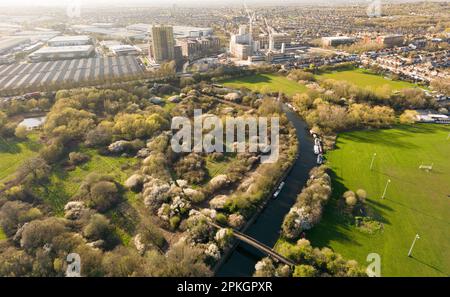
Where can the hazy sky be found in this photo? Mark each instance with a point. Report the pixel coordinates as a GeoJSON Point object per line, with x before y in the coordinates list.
{"type": "Point", "coordinates": [164, 2]}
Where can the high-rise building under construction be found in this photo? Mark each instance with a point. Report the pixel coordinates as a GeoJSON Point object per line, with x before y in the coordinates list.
{"type": "Point", "coordinates": [162, 44]}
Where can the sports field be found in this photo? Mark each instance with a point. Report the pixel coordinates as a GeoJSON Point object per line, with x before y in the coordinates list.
{"type": "Point", "coordinates": [266, 83]}
{"type": "Point", "coordinates": [417, 202]}
{"type": "Point", "coordinates": [364, 78]}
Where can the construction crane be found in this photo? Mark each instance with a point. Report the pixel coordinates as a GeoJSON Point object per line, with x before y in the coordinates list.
{"type": "Point", "coordinates": [270, 32]}
{"type": "Point", "coordinates": [251, 17]}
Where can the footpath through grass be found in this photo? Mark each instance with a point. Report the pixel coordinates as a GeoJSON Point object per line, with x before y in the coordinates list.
{"type": "Point", "coordinates": [416, 202]}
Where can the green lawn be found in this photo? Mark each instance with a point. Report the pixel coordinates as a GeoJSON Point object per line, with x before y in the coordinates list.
{"type": "Point", "coordinates": [273, 82]}
{"type": "Point", "coordinates": [364, 78]}
{"type": "Point", "coordinates": [14, 152]}
{"type": "Point", "coordinates": [416, 201]}
{"type": "Point", "coordinates": [270, 82]}
{"type": "Point", "coordinates": [2, 234]}
{"type": "Point", "coordinates": [215, 168]}
{"type": "Point", "coordinates": [64, 184]}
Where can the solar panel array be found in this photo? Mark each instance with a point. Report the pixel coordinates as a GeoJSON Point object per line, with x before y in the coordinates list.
{"type": "Point", "coordinates": [16, 76]}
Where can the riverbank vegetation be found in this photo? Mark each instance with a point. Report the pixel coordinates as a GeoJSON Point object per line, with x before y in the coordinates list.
{"type": "Point", "coordinates": [104, 182]}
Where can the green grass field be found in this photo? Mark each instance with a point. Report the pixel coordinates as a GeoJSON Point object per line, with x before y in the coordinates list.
{"type": "Point", "coordinates": [266, 82]}
{"type": "Point", "coordinates": [363, 78]}
{"type": "Point", "coordinates": [14, 152]}
{"type": "Point", "coordinates": [416, 202]}
{"type": "Point", "coordinates": [2, 234]}
{"type": "Point", "coordinates": [274, 83]}
{"type": "Point", "coordinates": [64, 184]}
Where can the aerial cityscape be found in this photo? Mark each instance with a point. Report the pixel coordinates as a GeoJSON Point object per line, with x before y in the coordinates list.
{"type": "Point", "coordinates": [224, 139]}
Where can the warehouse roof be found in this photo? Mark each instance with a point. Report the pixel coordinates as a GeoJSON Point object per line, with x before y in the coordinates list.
{"type": "Point", "coordinates": [63, 49]}
{"type": "Point", "coordinates": [70, 38]}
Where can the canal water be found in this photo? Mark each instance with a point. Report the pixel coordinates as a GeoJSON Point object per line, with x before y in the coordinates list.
{"type": "Point", "coordinates": [268, 225]}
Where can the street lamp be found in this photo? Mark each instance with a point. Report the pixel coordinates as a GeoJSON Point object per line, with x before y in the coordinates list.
{"type": "Point", "coordinates": [385, 188]}
{"type": "Point", "coordinates": [373, 159]}
{"type": "Point", "coordinates": [412, 245]}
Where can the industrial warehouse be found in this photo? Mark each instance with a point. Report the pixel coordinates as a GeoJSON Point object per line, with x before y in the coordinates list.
{"type": "Point", "coordinates": [17, 76]}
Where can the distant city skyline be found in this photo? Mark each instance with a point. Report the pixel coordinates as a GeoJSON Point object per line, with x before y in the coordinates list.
{"type": "Point", "coordinates": [34, 3]}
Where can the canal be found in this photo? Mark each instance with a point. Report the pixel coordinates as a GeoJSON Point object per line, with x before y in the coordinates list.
{"type": "Point", "coordinates": [268, 224]}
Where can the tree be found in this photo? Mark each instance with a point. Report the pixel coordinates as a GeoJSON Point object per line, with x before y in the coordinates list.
{"type": "Point", "coordinates": [298, 74]}
{"type": "Point", "coordinates": [305, 271]}
{"type": "Point", "coordinates": [99, 228]}
{"type": "Point", "coordinates": [103, 195]}
{"type": "Point", "coordinates": [68, 123]}
{"type": "Point", "coordinates": [15, 263]}
{"type": "Point", "coordinates": [3, 118]}
{"type": "Point", "coordinates": [151, 235]}
{"type": "Point", "coordinates": [14, 214]}
{"type": "Point", "coordinates": [131, 126]}
{"type": "Point", "coordinates": [408, 117]}
{"type": "Point", "coordinates": [100, 136]}
{"type": "Point", "coordinates": [192, 168]}
{"type": "Point", "coordinates": [123, 262]}
{"type": "Point", "coordinates": [21, 132]}
{"type": "Point", "coordinates": [186, 261]}
{"type": "Point", "coordinates": [52, 152]}
{"type": "Point", "coordinates": [99, 191]}
{"type": "Point", "coordinates": [36, 167]}
{"type": "Point", "coordinates": [40, 232]}
{"type": "Point", "coordinates": [76, 158]}
{"type": "Point", "coordinates": [441, 85]}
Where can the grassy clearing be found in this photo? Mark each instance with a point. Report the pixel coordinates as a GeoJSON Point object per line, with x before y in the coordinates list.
{"type": "Point", "coordinates": [416, 201]}
{"type": "Point", "coordinates": [2, 234]}
{"type": "Point", "coordinates": [64, 184]}
{"type": "Point", "coordinates": [266, 82]}
{"type": "Point", "coordinates": [14, 152]}
{"type": "Point", "coordinates": [365, 79]}
{"type": "Point", "coordinates": [216, 168]}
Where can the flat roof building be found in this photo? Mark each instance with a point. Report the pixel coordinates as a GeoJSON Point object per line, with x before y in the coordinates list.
{"type": "Point", "coordinates": [124, 49]}
{"type": "Point", "coordinates": [62, 52]}
{"type": "Point", "coordinates": [69, 40]}
{"type": "Point", "coordinates": [9, 43]}
{"type": "Point", "coordinates": [337, 40]}
{"type": "Point", "coordinates": [391, 40]}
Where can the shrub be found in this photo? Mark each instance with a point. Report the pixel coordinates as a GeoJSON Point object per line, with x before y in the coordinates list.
{"type": "Point", "coordinates": [40, 232]}
{"type": "Point", "coordinates": [21, 132]}
{"type": "Point", "coordinates": [222, 219]}
{"type": "Point", "coordinates": [304, 271]}
{"type": "Point", "coordinates": [99, 228]}
{"type": "Point", "coordinates": [174, 222]}
{"type": "Point", "coordinates": [76, 158]}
